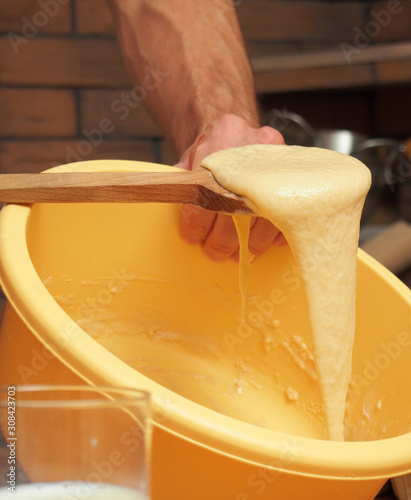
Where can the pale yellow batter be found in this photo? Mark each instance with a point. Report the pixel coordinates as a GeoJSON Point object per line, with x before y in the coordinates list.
{"type": "Point", "coordinates": [315, 197]}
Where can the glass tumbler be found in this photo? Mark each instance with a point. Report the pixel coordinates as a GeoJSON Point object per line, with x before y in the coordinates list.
{"type": "Point", "coordinates": [74, 443]}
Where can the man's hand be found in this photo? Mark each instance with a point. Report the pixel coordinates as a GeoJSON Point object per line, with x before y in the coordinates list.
{"type": "Point", "coordinates": [216, 233]}
{"type": "Point", "coordinates": [199, 48]}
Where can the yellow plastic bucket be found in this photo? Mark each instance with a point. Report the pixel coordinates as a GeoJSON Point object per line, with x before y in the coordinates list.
{"type": "Point", "coordinates": [109, 294]}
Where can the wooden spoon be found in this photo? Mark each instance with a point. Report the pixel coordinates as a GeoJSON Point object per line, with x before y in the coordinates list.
{"type": "Point", "coordinates": [195, 188]}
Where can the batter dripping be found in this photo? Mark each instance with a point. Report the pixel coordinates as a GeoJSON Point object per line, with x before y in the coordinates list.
{"type": "Point", "coordinates": [315, 197]}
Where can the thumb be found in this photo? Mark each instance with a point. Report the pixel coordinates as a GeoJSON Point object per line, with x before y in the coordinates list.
{"type": "Point", "coordinates": [188, 157]}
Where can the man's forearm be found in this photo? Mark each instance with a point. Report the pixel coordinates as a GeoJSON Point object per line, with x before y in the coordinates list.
{"type": "Point", "coordinates": [197, 46]}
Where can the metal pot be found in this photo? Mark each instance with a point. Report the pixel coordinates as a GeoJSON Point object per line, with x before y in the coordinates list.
{"type": "Point", "coordinates": [297, 131]}
{"type": "Point", "coordinates": [378, 154]}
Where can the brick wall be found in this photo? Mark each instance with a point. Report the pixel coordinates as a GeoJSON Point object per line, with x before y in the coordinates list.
{"type": "Point", "coordinates": [61, 75]}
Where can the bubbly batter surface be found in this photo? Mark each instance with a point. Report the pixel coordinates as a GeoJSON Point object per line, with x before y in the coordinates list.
{"type": "Point", "coordinates": [315, 197]}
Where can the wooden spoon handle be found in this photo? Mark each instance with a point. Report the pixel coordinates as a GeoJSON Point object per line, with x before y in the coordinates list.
{"type": "Point", "coordinates": [196, 188]}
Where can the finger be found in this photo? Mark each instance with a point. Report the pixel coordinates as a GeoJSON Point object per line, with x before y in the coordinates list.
{"type": "Point", "coordinates": [262, 236]}
{"type": "Point", "coordinates": [280, 240]}
{"type": "Point", "coordinates": [195, 224]}
{"type": "Point", "coordinates": [222, 240]}
{"type": "Point", "coordinates": [268, 135]}
{"type": "Point", "coordinates": [187, 160]}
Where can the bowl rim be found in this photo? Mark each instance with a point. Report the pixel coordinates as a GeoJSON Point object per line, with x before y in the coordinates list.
{"type": "Point", "coordinates": [171, 412]}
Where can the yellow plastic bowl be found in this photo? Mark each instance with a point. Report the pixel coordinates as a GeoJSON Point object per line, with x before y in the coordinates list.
{"type": "Point", "coordinates": [109, 294]}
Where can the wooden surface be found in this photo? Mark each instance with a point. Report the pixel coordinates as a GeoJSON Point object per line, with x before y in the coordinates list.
{"type": "Point", "coordinates": [189, 187]}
